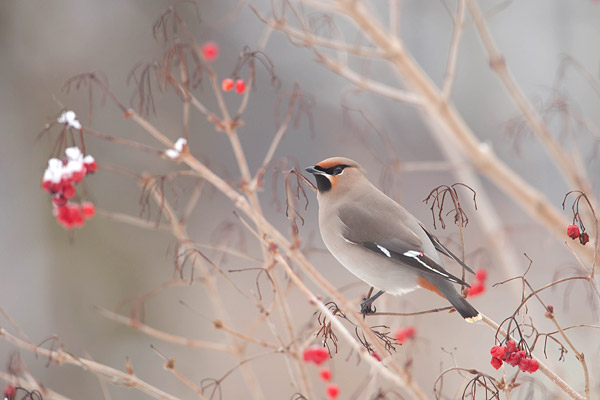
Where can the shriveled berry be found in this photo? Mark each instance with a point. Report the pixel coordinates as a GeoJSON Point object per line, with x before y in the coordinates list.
{"type": "Point", "coordinates": [584, 238]}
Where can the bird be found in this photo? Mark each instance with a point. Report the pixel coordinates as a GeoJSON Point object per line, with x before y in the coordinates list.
{"type": "Point", "coordinates": [379, 241]}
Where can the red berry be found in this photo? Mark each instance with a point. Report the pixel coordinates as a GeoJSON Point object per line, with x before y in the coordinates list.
{"type": "Point", "coordinates": [76, 215]}
{"type": "Point", "coordinates": [88, 209]}
{"type": "Point", "coordinates": [375, 356]}
{"type": "Point", "coordinates": [584, 238]}
{"type": "Point", "coordinates": [513, 359]}
{"type": "Point", "coordinates": [573, 231]}
{"type": "Point", "coordinates": [227, 84]}
{"type": "Point", "coordinates": [481, 275]}
{"type": "Point", "coordinates": [91, 167]}
{"type": "Point", "coordinates": [240, 86]}
{"type": "Point", "coordinates": [47, 186]}
{"type": "Point", "coordinates": [325, 374]}
{"type": "Point", "coordinates": [333, 391]}
{"type": "Point", "coordinates": [59, 199]}
{"type": "Point", "coordinates": [316, 354]}
{"type": "Point", "coordinates": [496, 362]}
{"type": "Point", "coordinates": [210, 51]}
{"type": "Point", "coordinates": [78, 175]}
{"type": "Point", "coordinates": [68, 191]}
{"type": "Point", "coordinates": [511, 346]}
{"type": "Point", "coordinates": [402, 335]}
{"type": "Point", "coordinates": [524, 364]}
{"type": "Point", "coordinates": [500, 352]}
{"type": "Point", "coordinates": [63, 216]}
{"type": "Point", "coordinates": [533, 366]}
{"type": "Point", "coordinates": [476, 289]}
{"type": "Point", "coordinates": [10, 392]}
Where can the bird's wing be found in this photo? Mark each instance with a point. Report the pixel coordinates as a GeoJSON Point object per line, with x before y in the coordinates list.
{"type": "Point", "coordinates": [375, 232]}
{"type": "Point", "coordinates": [445, 251]}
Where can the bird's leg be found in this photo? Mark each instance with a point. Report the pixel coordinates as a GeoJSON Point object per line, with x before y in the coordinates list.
{"type": "Point", "coordinates": [365, 306]}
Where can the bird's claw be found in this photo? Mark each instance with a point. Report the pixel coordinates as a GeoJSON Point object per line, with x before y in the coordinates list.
{"type": "Point", "coordinates": [366, 307]}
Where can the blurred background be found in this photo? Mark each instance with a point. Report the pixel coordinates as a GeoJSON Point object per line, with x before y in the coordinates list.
{"type": "Point", "coordinates": [52, 279]}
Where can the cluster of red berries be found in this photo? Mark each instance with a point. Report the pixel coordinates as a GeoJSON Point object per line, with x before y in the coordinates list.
{"type": "Point", "coordinates": [573, 233]}
{"type": "Point", "coordinates": [403, 334]}
{"type": "Point", "coordinates": [59, 180]}
{"type": "Point", "coordinates": [73, 215]}
{"type": "Point", "coordinates": [210, 52]}
{"type": "Point", "coordinates": [318, 355]}
{"type": "Point", "coordinates": [478, 287]}
{"type": "Point", "coordinates": [228, 84]}
{"type": "Point", "coordinates": [512, 355]}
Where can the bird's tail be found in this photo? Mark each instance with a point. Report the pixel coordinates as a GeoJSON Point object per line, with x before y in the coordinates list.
{"type": "Point", "coordinates": [466, 310]}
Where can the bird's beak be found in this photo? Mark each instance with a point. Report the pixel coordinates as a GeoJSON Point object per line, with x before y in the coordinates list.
{"type": "Point", "coordinates": [314, 171]}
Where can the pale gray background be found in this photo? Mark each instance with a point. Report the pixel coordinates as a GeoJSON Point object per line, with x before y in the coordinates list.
{"type": "Point", "coordinates": [50, 281]}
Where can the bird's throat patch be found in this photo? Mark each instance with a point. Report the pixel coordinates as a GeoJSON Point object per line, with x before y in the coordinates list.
{"type": "Point", "coordinates": [323, 183]}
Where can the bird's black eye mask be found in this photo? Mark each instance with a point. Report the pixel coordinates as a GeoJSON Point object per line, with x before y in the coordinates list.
{"type": "Point", "coordinates": [335, 170]}
{"type": "Point", "coordinates": [323, 183]}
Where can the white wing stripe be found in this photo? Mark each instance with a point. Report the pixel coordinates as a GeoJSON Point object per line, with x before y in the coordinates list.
{"type": "Point", "coordinates": [384, 251]}
{"type": "Point", "coordinates": [416, 254]}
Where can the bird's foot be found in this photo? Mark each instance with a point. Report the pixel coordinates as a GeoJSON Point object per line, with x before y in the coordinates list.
{"type": "Point", "coordinates": [366, 307]}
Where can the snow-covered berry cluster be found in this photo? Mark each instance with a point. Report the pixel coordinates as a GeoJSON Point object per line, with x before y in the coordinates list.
{"type": "Point", "coordinates": [59, 180]}
{"type": "Point", "coordinates": [318, 355]}
{"type": "Point", "coordinates": [512, 355]}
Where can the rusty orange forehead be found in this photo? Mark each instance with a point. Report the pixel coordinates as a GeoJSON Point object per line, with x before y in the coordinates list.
{"type": "Point", "coordinates": [333, 161]}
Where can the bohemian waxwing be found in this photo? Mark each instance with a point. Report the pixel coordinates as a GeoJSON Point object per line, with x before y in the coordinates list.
{"type": "Point", "coordinates": [380, 242]}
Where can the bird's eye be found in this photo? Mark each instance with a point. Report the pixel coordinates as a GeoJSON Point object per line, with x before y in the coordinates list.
{"type": "Point", "coordinates": [338, 170]}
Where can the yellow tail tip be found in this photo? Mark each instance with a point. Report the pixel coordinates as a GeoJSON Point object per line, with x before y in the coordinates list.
{"type": "Point", "coordinates": [474, 319]}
